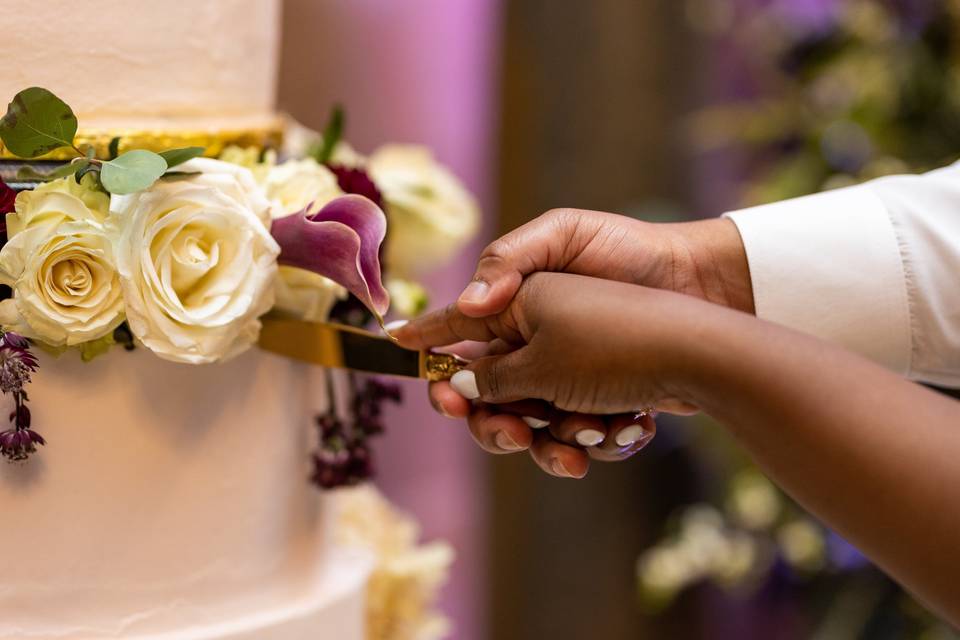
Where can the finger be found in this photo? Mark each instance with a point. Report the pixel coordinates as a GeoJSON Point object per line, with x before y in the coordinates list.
{"type": "Point", "coordinates": [497, 432]}
{"type": "Point", "coordinates": [580, 429]}
{"type": "Point", "coordinates": [626, 435]}
{"type": "Point", "coordinates": [536, 246]}
{"type": "Point", "coordinates": [496, 379]}
{"type": "Point", "coordinates": [677, 407]}
{"type": "Point", "coordinates": [558, 459]}
{"type": "Point", "coordinates": [442, 327]}
{"type": "Point", "coordinates": [536, 413]}
{"type": "Point", "coordinates": [448, 402]}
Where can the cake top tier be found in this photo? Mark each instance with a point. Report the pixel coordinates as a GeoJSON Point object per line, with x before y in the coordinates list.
{"type": "Point", "coordinates": [137, 64]}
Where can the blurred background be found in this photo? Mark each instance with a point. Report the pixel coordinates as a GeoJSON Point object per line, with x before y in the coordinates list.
{"type": "Point", "coordinates": [664, 110]}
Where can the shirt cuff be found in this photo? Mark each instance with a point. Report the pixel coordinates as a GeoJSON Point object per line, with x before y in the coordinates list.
{"type": "Point", "coordinates": [830, 265]}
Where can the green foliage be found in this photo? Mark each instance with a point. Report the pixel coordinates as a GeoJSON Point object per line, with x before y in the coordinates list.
{"type": "Point", "coordinates": [37, 122]}
{"type": "Point", "coordinates": [179, 156]}
{"type": "Point", "coordinates": [132, 171]}
{"type": "Point", "coordinates": [332, 134]}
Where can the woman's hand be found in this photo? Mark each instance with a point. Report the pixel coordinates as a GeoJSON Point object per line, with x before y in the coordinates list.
{"type": "Point", "coordinates": [583, 345]}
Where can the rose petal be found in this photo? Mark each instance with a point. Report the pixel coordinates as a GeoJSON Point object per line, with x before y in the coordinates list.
{"type": "Point", "coordinates": [341, 242]}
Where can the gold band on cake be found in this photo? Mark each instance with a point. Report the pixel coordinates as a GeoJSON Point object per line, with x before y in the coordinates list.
{"type": "Point", "coordinates": [269, 135]}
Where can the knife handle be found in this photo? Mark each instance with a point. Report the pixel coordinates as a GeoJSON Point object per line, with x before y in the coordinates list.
{"type": "Point", "coordinates": [439, 366]}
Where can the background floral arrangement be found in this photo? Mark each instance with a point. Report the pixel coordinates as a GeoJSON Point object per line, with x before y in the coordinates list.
{"type": "Point", "coordinates": [826, 93]}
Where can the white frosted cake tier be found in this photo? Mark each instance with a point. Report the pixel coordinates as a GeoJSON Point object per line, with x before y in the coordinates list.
{"type": "Point", "coordinates": [172, 502]}
{"type": "Point", "coordinates": [175, 64]}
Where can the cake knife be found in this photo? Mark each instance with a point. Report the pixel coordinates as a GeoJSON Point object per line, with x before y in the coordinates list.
{"type": "Point", "coordinates": [344, 347]}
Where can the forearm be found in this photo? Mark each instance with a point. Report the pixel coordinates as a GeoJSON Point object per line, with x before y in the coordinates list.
{"type": "Point", "coordinates": [873, 455]}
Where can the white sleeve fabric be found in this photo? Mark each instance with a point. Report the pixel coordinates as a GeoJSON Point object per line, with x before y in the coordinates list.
{"type": "Point", "coordinates": [874, 268]}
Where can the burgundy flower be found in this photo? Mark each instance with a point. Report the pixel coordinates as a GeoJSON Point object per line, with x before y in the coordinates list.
{"type": "Point", "coordinates": [17, 363]}
{"type": "Point", "coordinates": [356, 180]}
{"type": "Point", "coordinates": [7, 199]}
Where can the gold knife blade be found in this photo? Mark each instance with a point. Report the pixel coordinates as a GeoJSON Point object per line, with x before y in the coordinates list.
{"type": "Point", "coordinates": [340, 346]}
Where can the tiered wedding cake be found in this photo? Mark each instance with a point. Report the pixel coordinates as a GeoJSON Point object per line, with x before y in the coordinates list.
{"type": "Point", "coordinates": [171, 500]}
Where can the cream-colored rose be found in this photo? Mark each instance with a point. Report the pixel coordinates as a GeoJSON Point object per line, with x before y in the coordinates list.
{"type": "Point", "coordinates": [295, 184]}
{"type": "Point", "coordinates": [431, 214]}
{"type": "Point", "coordinates": [298, 141]}
{"type": "Point", "coordinates": [57, 201]}
{"type": "Point", "coordinates": [234, 181]}
{"type": "Point", "coordinates": [65, 286]}
{"type": "Point", "coordinates": [253, 158]}
{"type": "Point", "coordinates": [60, 265]}
{"type": "Point", "coordinates": [197, 264]}
{"type": "Point", "coordinates": [306, 295]}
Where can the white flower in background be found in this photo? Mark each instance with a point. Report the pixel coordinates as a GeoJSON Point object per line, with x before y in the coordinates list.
{"type": "Point", "coordinates": [402, 592]}
{"type": "Point", "coordinates": [431, 214]}
{"type": "Point", "coordinates": [293, 185]}
{"type": "Point", "coordinates": [60, 265]}
{"type": "Point", "coordinates": [196, 262]}
{"type": "Point", "coordinates": [407, 298]}
{"type": "Point", "coordinates": [306, 295]}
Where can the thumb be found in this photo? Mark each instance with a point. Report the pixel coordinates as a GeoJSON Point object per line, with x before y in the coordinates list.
{"type": "Point", "coordinates": [497, 379]}
{"type": "Point", "coordinates": [535, 246]}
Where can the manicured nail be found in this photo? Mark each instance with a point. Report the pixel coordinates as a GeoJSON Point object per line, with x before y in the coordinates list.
{"type": "Point", "coordinates": [589, 437]}
{"type": "Point", "coordinates": [476, 292]}
{"type": "Point", "coordinates": [535, 423]}
{"type": "Point", "coordinates": [390, 327]}
{"type": "Point", "coordinates": [505, 442]}
{"type": "Point", "coordinates": [630, 435]}
{"type": "Point", "coordinates": [557, 467]}
{"type": "Point", "coordinates": [465, 383]}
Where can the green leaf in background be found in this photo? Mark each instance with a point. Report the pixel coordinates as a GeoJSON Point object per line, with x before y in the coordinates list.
{"type": "Point", "coordinates": [331, 136]}
{"type": "Point", "coordinates": [132, 171]}
{"type": "Point", "coordinates": [86, 168]}
{"type": "Point", "coordinates": [37, 122]}
{"type": "Point", "coordinates": [28, 173]}
{"type": "Point", "coordinates": [173, 176]}
{"type": "Point", "coordinates": [179, 156]}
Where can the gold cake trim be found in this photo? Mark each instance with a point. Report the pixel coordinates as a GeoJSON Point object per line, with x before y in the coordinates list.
{"type": "Point", "coordinates": [214, 140]}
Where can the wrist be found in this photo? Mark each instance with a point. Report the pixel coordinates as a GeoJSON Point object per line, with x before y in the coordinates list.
{"type": "Point", "coordinates": [707, 259]}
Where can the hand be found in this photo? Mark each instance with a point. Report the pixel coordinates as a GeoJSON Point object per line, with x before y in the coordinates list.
{"type": "Point", "coordinates": [705, 259]}
{"type": "Point", "coordinates": [581, 344]}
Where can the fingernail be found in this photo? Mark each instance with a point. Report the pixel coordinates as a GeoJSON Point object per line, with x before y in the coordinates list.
{"type": "Point", "coordinates": [589, 437]}
{"type": "Point", "coordinates": [396, 325]}
{"type": "Point", "coordinates": [630, 435]}
{"type": "Point", "coordinates": [505, 442]}
{"type": "Point", "coordinates": [535, 423]}
{"type": "Point", "coordinates": [476, 292]}
{"type": "Point", "coordinates": [465, 383]}
{"type": "Point", "coordinates": [557, 467]}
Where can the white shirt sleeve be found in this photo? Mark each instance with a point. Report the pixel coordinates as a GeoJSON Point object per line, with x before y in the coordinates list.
{"type": "Point", "coordinates": [874, 268]}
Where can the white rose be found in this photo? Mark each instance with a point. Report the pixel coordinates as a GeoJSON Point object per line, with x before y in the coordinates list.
{"type": "Point", "coordinates": [196, 263]}
{"type": "Point", "coordinates": [234, 181]}
{"type": "Point", "coordinates": [60, 265]}
{"type": "Point", "coordinates": [299, 140]}
{"type": "Point", "coordinates": [306, 295]}
{"type": "Point", "coordinates": [293, 185]}
{"type": "Point", "coordinates": [431, 214]}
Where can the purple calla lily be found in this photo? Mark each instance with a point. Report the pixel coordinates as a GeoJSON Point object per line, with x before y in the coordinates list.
{"type": "Point", "coordinates": [341, 241]}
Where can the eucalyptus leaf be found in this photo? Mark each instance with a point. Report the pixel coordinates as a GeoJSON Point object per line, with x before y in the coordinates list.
{"type": "Point", "coordinates": [37, 122]}
{"type": "Point", "coordinates": [90, 152]}
{"type": "Point", "coordinates": [29, 174]}
{"type": "Point", "coordinates": [132, 171]}
{"type": "Point", "coordinates": [181, 155]}
{"type": "Point", "coordinates": [90, 167]}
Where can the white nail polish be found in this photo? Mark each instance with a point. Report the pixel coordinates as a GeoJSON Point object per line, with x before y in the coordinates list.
{"type": "Point", "coordinates": [535, 423]}
{"type": "Point", "coordinates": [629, 435]}
{"type": "Point", "coordinates": [465, 383]}
{"type": "Point", "coordinates": [390, 327]}
{"type": "Point", "coordinates": [589, 437]}
{"type": "Point", "coordinates": [505, 442]}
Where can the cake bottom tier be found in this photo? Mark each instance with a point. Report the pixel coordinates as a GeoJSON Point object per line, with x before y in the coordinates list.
{"type": "Point", "coordinates": [172, 502]}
